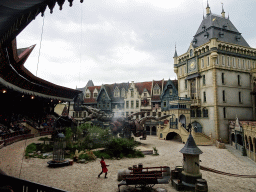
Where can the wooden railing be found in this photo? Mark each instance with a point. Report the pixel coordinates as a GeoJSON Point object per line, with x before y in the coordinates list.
{"type": "Point", "coordinates": [24, 186]}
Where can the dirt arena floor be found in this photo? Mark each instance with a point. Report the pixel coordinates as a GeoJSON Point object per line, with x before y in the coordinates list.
{"type": "Point", "coordinates": [83, 177]}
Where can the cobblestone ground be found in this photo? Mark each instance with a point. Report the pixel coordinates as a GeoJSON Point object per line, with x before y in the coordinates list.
{"type": "Point", "coordinates": [83, 177]}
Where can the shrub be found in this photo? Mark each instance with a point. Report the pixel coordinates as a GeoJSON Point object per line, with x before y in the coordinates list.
{"type": "Point", "coordinates": [84, 156]}
{"type": "Point", "coordinates": [30, 148]}
{"type": "Point", "coordinates": [100, 154]}
{"type": "Point", "coordinates": [119, 147]}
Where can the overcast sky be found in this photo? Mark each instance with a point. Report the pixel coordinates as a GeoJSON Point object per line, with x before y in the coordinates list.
{"type": "Point", "coordinates": [122, 40]}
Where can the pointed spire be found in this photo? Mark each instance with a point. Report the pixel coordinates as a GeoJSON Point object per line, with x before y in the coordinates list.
{"type": "Point", "coordinates": [208, 9]}
{"type": "Point", "coordinates": [191, 147]}
{"type": "Point", "coordinates": [228, 15]}
{"type": "Point", "coordinates": [223, 12]}
{"type": "Point", "coordinates": [175, 53]}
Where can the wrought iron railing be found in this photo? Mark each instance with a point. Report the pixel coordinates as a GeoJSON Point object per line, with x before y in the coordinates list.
{"type": "Point", "coordinates": [24, 186]}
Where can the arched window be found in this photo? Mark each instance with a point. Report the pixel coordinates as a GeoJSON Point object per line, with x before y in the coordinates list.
{"type": "Point", "coordinates": [198, 112]}
{"type": "Point", "coordinates": [192, 113]}
{"type": "Point", "coordinates": [205, 112]}
{"type": "Point", "coordinates": [197, 127]}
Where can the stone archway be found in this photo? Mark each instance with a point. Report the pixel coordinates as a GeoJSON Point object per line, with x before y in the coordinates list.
{"type": "Point", "coordinates": [197, 127]}
{"type": "Point", "coordinates": [173, 136]}
{"type": "Point", "coordinates": [182, 120]}
{"type": "Point", "coordinates": [239, 139]}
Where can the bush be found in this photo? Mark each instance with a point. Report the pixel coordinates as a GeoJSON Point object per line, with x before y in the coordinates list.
{"type": "Point", "coordinates": [100, 154]}
{"type": "Point", "coordinates": [119, 147]}
{"type": "Point", "coordinates": [30, 148]}
{"type": "Point", "coordinates": [84, 156]}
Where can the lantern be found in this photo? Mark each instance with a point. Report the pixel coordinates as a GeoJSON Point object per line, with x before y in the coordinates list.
{"type": "Point", "coordinates": [59, 152]}
{"type": "Point", "coordinates": [59, 147]}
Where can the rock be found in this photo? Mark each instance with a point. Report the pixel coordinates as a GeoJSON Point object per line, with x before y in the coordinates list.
{"type": "Point", "coordinates": [31, 154]}
{"type": "Point", "coordinates": [81, 161]}
{"type": "Point", "coordinates": [118, 158]}
{"type": "Point", "coordinates": [38, 152]}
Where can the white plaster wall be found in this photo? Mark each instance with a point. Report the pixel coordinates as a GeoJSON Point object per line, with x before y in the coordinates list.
{"type": "Point", "coordinates": [231, 113]}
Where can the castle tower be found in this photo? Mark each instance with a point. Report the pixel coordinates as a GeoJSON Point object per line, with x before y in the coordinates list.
{"type": "Point", "coordinates": [216, 73]}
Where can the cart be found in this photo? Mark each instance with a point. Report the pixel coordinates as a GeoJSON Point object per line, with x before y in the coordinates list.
{"type": "Point", "coordinates": [146, 177]}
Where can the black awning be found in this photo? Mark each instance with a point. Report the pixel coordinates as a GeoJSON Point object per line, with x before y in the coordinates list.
{"type": "Point", "coordinates": [193, 76]}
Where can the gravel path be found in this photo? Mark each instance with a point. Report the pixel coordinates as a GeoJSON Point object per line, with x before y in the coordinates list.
{"type": "Point", "coordinates": [83, 177]}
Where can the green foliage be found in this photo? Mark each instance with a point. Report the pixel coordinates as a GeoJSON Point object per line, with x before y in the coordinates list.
{"type": "Point", "coordinates": [96, 137]}
{"type": "Point", "coordinates": [84, 156]}
{"type": "Point", "coordinates": [155, 151]}
{"type": "Point", "coordinates": [119, 147]}
{"type": "Point", "coordinates": [100, 154]}
{"type": "Point", "coordinates": [68, 137]}
{"type": "Point", "coordinates": [38, 147]}
{"type": "Point", "coordinates": [30, 148]}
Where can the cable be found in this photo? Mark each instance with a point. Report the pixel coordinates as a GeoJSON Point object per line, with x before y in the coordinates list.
{"type": "Point", "coordinates": [81, 41]}
{"type": "Point", "coordinates": [40, 45]}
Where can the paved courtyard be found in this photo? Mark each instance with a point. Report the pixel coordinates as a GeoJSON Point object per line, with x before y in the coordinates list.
{"type": "Point", "coordinates": [83, 177]}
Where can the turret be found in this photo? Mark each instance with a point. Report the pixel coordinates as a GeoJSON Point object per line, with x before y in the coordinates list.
{"type": "Point", "coordinates": [223, 12]}
{"type": "Point", "coordinates": [175, 57]}
{"type": "Point", "coordinates": [208, 11]}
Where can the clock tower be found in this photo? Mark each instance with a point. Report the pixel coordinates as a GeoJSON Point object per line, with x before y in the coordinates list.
{"type": "Point", "coordinates": [216, 74]}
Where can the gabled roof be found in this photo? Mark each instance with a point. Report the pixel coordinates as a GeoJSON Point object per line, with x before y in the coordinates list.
{"type": "Point", "coordinates": [174, 84]}
{"type": "Point", "coordinates": [214, 25]}
{"type": "Point", "coordinates": [143, 85]}
{"type": "Point", "coordinates": [91, 99]}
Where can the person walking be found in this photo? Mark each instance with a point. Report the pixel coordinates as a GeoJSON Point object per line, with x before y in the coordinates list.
{"type": "Point", "coordinates": [104, 167]}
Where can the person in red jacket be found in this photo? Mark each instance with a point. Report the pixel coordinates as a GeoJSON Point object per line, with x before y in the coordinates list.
{"type": "Point", "coordinates": [104, 167]}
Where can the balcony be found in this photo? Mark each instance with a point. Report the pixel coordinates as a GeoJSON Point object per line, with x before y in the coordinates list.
{"type": "Point", "coordinates": [195, 102]}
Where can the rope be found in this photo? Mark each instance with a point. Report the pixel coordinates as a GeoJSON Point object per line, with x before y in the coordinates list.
{"type": "Point", "coordinates": [224, 173]}
{"type": "Point", "coordinates": [40, 45]}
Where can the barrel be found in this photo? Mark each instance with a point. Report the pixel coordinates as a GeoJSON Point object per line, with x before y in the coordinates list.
{"type": "Point", "coordinates": [167, 171]}
{"type": "Point", "coordinates": [203, 185]}
{"type": "Point", "coordinates": [174, 174]}
{"type": "Point", "coordinates": [179, 168]}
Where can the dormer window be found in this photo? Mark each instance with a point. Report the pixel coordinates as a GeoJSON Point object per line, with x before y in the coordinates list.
{"type": "Point", "coordinates": [194, 41]}
{"type": "Point", "coordinates": [191, 53]}
{"type": "Point", "coordinates": [206, 35]}
{"type": "Point", "coordinates": [116, 92]}
{"type": "Point", "coordinates": [145, 94]}
{"type": "Point", "coordinates": [238, 38]}
{"type": "Point", "coordinates": [203, 28]}
{"type": "Point", "coordinates": [87, 95]}
{"type": "Point", "coordinates": [95, 95]}
{"type": "Point", "coordinates": [123, 93]}
{"type": "Point", "coordinates": [171, 92]}
{"type": "Point", "coordinates": [221, 34]}
{"type": "Point", "coordinates": [224, 26]}
{"type": "Point", "coordinates": [156, 91]}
